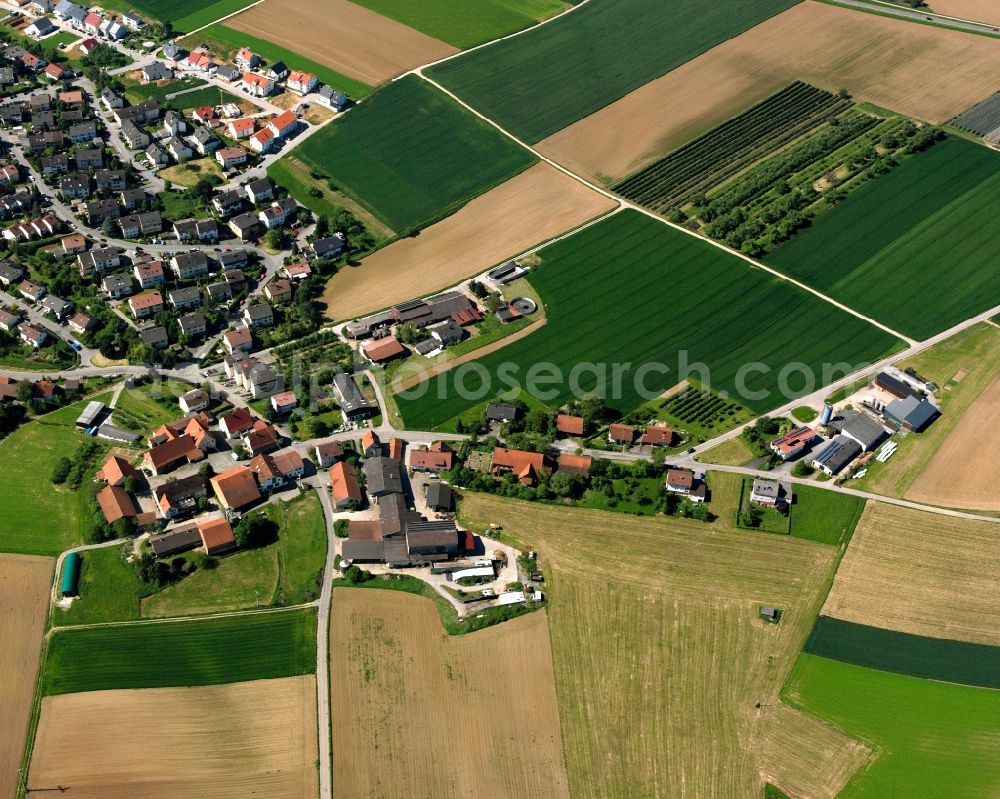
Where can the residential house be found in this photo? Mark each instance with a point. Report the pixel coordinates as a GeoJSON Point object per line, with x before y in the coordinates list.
{"type": "Point", "coordinates": [90, 159]}
{"type": "Point", "coordinates": [257, 85]}
{"type": "Point", "coordinates": [238, 340]}
{"type": "Point", "coordinates": [149, 274]}
{"type": "Point", "coordinates": [246, 59]}
{"type": "Point", "coordinates": [155, 337]}
{"type": "Point", "coordinates": [228, 202]}
{"type": "Point", "coordinates": [40, 28]}
{"type": "Point", "coordinates": [100, 259]}
{"type": "Point", "coordinates": [81, 322]}
{"type": "Point", "coordinates": [328, 453]}
{"type": "Point", "coordinates": [146, 305]}
{"type": "Point", "coordinates": [185, 297]}
{"type": "Point", "coordinates": [156, 71]}
{"type": "Point", "coordinates": [371, 445]}
{"type": "Point", "coordinates": [134, 136]}
{"type": "Point", "coordinates": [344, 485]}
{"type": "Point", "coordinates": [260, 190]}
{"type": "Point", "coordinates": [284, 402]}
{"type": "Point", "coordinates": [278, 291]}
{"type": "Point", "coordinates": [263, 141]}
{"type": "Point", "coordinates": [301, 82]}
{"type": "Point", "coordinates": [657, 435]}
{"type": "Point", "coordinates": [332, 99]}
{"type": "Point", "coordinates": [192, 325]}
{"type": "Point", "coordinates": [132, 199]}
{"type": "Point", "coordinates": [82, 132]}
{"type": "Point", "coordinates": [236, 423]}
{"type": "Point", "coordinates": [9, 320]}
{"type": "Point", "coordinates": [29, 334]}
{"type": "Point", "coordinates": [437, 458]}
{"type": "Point", "coordinates": [502, 412]}
{"type": "Point", "coordinates": [156, 155]}
{"type": "Point", "coordinates": [10, 273]}
{"type": "Point", "coordinates": [229, 157]}
{"type": "Point", "coordinates": [111, 180]}
{"type": "Point", "coordinates": [174, 497]}
{"type": "Point", "coordinates": [353, 403]}
{"type": "Point", "coordinates": [117, 285]}
{"type": "Point", "coordinates": [197, 399]}
{"type": "Point", "coordinates": [242, 128]}
{"type": "Point", "coordinates": [205, 141]}
{"type": "Point", "coordinates": [793, 443]}
{"type": "Point", "coordinates": [621, 434]}
{"type": "Point", "coordinates": [234, 259]}
{"type": "Point", "coordinates": [218, 292]}
{"type": "Point", "coordinates": [189, 265]}
{"type": "Point", "coordinates": [73, 244]}
{"type": "Point", "coordinates": [771, 493]}
{"type": "Point", "coordinates": [235, 489]}
{"type": "Point", "coordinates": [277, 70]}
{"type": "Point", "coordinates": [683, 481]}
{"type": "Point", "coordinates": [300, 270]}
{"type": "Point", "coordinates": [261, 438]}
{"type": "Point", "coordinates": [55, 164]}
{"type": "Point", "coordinates": [133, 21]}
{"type": "Point", "coordinates": [278, 213]}
{"type": "Point", "coordinates": [284, 125]}
{"type": "Point", "coordinates": [527, 467]}
{"type": "Point", "coordinates": [329, 246]}
{"type": "Point", "coordinates": [31, 291]}
{"type": "Point", "coordinates": [178, 150]}
{"type": "Point", "coordinates": [246, 227]}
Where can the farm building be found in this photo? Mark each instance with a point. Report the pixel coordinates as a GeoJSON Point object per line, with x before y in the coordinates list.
{"type": "Point", "coordinates": [911, 413]}
{"type": "Point", "coordinates": [863, 429]}
{"type": "Point", "coordinates": [371, 445]}
{"type": "Point", "coordinates": [175, 541]}
{"type": "Point", "coordinates": [216, 536]}
{"type": "Point", "coordinates": [90, 414]}
{"type": "Point", "coordinates": [235, 489]}
{"type": "Point", "coordinates": [383, 477]}
{"type": "Point", "coordinates": [116, 470]}
{"type": "Point", "coordinates": [570, 425]}
{"type": "Point", "coordinates": [344, 485]}
{"type": "Point", "coordinates": [439, 497]}
{"type": "Point", "coordinates": [69, 585]}
{"type": "Point", "coordinates": [574, 464]}
{"type": "Point", "coordinates": [891, 385]}
{"type": "Point", "coordinates": [793, 443]}
{"type": "Point", "coordinates": [382, 350]}
{"type": "Point", "coordinates": [837, 454]}
{"type": "Point", "coordinates": [527, 467]}
{"type": "Point", "coordinates": [352, 402]}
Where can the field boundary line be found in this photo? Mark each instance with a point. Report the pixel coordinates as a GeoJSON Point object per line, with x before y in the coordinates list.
{"type": "Point", "coordinates": [628, 204]}
{"type": "Point", "coordinates": [536, 26]}
{"type": "Point", "coordinates": [172, 619]}
{"type": "Point", "coordinates": [220, 20]}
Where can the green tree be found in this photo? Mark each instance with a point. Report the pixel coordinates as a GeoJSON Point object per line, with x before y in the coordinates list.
{"type": "Point", "coordinates": [61, 470]}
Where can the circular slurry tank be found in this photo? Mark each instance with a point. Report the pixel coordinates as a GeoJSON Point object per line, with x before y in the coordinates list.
{"type": "Point", "coordinates": [524, 305]}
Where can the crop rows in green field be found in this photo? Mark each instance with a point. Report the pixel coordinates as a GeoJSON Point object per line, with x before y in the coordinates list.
{"type": "Point", "coordinates": [916, 655]}
{"type": "Point", "coordinates": [631, 290]}
{"type": "Point", "coordinates": [463, 24]}
{"type": "Point", "coordinates": [915, 248]}
{"type": "Point", "coordinates": [541, 81]}
{"type": "Point", "coordinates": [727, 148]}
{"type": "Point", "coordinates": [931, 739]}
{"type": "Point", "coordinates": [182, 653]}
{"type": "Point", "coordinates": [183, 15]}
{"type": "Point", "coordinates": [411, 155]}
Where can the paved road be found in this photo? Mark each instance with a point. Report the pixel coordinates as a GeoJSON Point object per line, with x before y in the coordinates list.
{"type": "Point", "coordinates": [923, 15]}
{"type": "Point", "coordinates": [323, 652]}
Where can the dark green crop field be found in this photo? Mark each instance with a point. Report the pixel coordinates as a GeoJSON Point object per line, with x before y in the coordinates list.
{"type": "Point", "coordinates": [632, 291]}
{"type": "Point", "coordinates": [184, 15]}
{"type": "Point", "coordinates": [411, 155]}
{"type": "Point", "coordinates": [932, 739]}
{"type": "Point", "coordinates": [904, 653]}
{"type": "Point", "coordinates": [915, 248]}
{"type": "Point", "coordinates": [162, 654]}
{"type": "Point", "coordinates": [825, 516]}
{"type": "Point", "coordinates": [548, 78]}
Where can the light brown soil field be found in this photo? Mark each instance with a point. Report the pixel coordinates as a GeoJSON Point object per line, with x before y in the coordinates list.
{"type": "Point", "coordinates": [963, 472]}
{"type": "Point", "coordinates": [211, 742]}
{"type": "Point", "coordinates": [927, 72]}
{"type": "Point", "coordinates": [921, 573]}
{"type": "Point", "coordinates": [420, 714]}
{"type": "Point", "coordinates": [976, 10]}
{"type": "Point", "coordinates": [537, 205]}
{"type": "Point", "coordinates": [343, 36]}
{"type": "Point", "coordinates": [25, 583]}
{"type": "Point", "coordinates": [666, 676]}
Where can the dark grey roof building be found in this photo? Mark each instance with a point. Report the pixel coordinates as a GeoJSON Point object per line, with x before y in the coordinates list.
{"type": "Point", "coordinates": [837, 454]}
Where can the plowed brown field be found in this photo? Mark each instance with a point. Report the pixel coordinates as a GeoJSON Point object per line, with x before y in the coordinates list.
{"type": "Point", "coordinates": [537, 205]}
{"type": "Point", "coordinates": [343, 36]}
{"type": "Point", "coordinates": [963, 472]}
{"type": "Point", "coordinates": [927, 72]}
{"type": "Point", "coordinates": [25, 583]}
{"type": "Point", "coordinates": [976, 10]}
{"type": "Point", "coordinates": [417, 713]}
{"type": "Point", "coordinates": [920, 573]}
{"type": "Point", "coordinates": [210, 742]}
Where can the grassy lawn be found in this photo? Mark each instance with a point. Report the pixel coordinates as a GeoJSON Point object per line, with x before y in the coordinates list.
{"type": "Point", "coordinates": [210, 95]}
{"type": "Point", "coordinates": [824, 516]}
{"type": "Point", "coordinates": [548, 78]}
{"type": "Point", "coordinates": [283, 572]}
{"type": "Point", "coordinates": [601, 287]}
{"type": "Point", "coordinates": [254, 646]}
{"type": "Point", "coordinates": [923, 221]}
{"type": "Point", "coordinates": [641, 502]}
{"type": "Point", "coordinates": [733, 452]}
{"type": "Point", "coordinates": [771, 521]}
{"type": "Point", "coordinates": [225, 41]}
{"type": "Point", "coordinates": [141, 410]}
{"type": "Point", "coordinates": [462, 24]}
{"type": "Point", "coordinates": [38, 517]}
{"type": "Point", "coordinates": [63, 37]}
{"type": "Point", "coordinates": [109, 589]}
{"type": "Point", "coordinates": [933, 738]}
{"type": "Point", "coordinates": [805, 414]}
{"type": "Point", "coordinates": [293, 175]}
{"type": "Point", "coordinates": [177, 206]}
{"type": "Point", "coordinates": [411, 155]}
{"type": "Point", "coordinates": [184, 15]}
{"type": "Point", "coordinates": [136, 92]}
{"type": "Point", "coordinates": [188, 173]}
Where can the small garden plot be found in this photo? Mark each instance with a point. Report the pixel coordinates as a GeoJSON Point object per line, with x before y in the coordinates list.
{"type": "Point", "coordinates": [702, 413]}
{"type": "Point", "coordinates": [981, 119]}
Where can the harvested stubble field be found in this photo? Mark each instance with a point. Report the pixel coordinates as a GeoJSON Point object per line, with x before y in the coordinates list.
{"type": "Point", "coordinates": [976, 10]}
{"type": "Point", "coordinates": [667, 680]}
{"type": "Point", "coordinates": [603, 290]}
{"type": "Point", "coordinates": [217, 742]}
{"type": "Point", "coordinates": [24, 600]}
{"type": "Point", "coordinates": [974, 357]}
{"type": "Point", "coordinates": [932, 739]}
{"type": "Point", "coordinates": [539, 204]}
{"type": "Point", "coordinates": [875, 58]}
{"type": "Point", "coordinates": [921, 573]}
{"type": "Point", "coordinates": [539, 82]}
{"type": "Point", "coordinates": [368, 47]}
{"type": "Point", "coordinates": [962, 473]}
{"type": "Point", "coordinates": [919, 225]}
{"type": "Point", "coordinates": [411, 155]}
{"type": "Point", "coordinates": [403, 692]}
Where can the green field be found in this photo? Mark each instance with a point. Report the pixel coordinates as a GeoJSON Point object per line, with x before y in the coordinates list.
{"type": "Point", "coordinates": [210, 95]}
{"type": "Point", "coordinates": [109, 589]}
{"type": "Point", "coordinates": [825, 516]}
{"type": "Point", "coordinates": [39, 518]}
{"type": "Point", "coordinates": [225, 41]}
{"type": "Point", "coordinates": [136, 92]}
{"type": "Point", "coordinates": [411, 155]}
{"type": "Point", "coordinates": [284, 571]}
{"type": "Point", "coordinates": [925, 223]}
{"type": "Point", "coordinates": [903, 653]}
{"type": "Point", "coordinates": [538, 83]}
{"type": "Point", "coordinates": [145, 408]}
{"type": "Point", "coordinates": [255, 646]}
{"type": "Point", "coordinates": [463, 24]}
{"type": "Point", "coordinates": [631, 290]}
{"type": "Point", "coordinates": [184, 15]}
{"type": "Point", "coordinates": [934, 740]}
